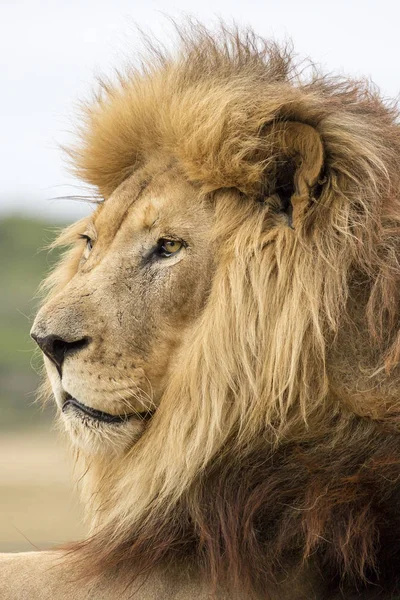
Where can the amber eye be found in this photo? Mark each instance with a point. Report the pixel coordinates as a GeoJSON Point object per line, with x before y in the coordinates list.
{"type": "Point", "coordinates": [167, 248]}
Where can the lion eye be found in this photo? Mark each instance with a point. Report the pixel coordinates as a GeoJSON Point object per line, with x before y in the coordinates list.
{"type": "Point", "coordinates": [89, 242]}
{"type": "Point", "coordinates": [167, 248]}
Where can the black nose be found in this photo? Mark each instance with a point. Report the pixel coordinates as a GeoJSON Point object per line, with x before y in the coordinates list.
{"type": "Point", "coordinates": [57, 349]}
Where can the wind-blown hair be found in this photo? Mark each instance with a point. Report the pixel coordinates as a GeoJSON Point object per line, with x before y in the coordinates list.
{"type": "Point", "coordinates": [266, 449]}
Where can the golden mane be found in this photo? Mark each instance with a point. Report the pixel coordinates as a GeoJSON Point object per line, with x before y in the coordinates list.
{"type": "Point", "coordinates": [254, 381]}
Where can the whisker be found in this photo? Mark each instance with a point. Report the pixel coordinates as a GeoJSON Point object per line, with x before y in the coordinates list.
{"type": "Point", "coordinates": [142, 392]}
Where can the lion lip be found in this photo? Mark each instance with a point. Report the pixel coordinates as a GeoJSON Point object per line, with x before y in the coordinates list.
{"type": "Point", "coordinates": [99, 415]}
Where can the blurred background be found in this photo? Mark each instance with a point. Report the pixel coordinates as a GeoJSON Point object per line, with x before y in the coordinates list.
{"type": "Point", "coordinates": [50, 55]}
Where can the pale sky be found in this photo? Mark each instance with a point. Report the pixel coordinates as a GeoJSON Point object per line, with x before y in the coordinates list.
{"type": "Point", "coordinates": [52, 50]}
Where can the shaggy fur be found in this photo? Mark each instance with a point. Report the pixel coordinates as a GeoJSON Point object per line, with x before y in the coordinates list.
{"type": "Point", "coordinates": [276, 445]}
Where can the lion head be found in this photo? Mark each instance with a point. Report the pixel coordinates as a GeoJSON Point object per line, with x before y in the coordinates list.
{"type": "Point", "coordinates": [222, 339]}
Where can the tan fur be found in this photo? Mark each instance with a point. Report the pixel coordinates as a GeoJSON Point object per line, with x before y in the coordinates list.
{"type": "Point", "coordinates": [276, 328]}
{"type": "Point", "coordinates": [48, 576]}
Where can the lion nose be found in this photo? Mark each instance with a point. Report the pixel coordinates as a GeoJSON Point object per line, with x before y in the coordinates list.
{"type": "Point", "coordinates": [56, 349]}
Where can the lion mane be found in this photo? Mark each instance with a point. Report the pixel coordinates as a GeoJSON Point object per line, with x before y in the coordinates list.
{"type": "Point", "coordinates": [276, 444]}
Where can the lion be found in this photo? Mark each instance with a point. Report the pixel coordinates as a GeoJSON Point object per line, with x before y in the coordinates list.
{"type": "Point", "coordinates": [222, 337]}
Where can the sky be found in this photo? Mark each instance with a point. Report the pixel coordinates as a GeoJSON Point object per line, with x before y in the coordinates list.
{"type": "Point", "coordinates": [52, 50]}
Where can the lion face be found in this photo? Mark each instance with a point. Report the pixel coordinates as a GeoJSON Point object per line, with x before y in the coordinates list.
{"type": "Point", "coordinates": [111, 334]}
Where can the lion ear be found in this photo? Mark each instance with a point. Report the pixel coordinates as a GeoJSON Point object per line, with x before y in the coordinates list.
{"type": "Point", "coordinates": [297, 169]}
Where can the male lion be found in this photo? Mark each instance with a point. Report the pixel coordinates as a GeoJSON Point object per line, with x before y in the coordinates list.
{"type": "Point", "coordinates": [222, 339]}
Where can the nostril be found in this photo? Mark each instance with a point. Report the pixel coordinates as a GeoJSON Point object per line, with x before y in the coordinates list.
{"type": "Point", "coordinates": [59, 350]}
{"type": "Point", "coordinates": [68, 347]}
{"type": "Point", "coordinates": [56, 348]}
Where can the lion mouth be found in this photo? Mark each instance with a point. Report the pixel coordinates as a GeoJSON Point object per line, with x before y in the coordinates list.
{"type": "Point", "coordinates": [73, 404]}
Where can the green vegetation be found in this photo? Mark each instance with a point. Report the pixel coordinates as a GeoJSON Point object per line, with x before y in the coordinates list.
{"type": "Point", "coordinates": [23, 264]}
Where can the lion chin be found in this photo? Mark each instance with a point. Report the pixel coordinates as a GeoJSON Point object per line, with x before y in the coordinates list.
{"type": "Point", "coordinates": [92, 430]}
{"type": "Point", "coordinates": [95, 431]}
{"type": "Point", "coordinates": [222, 336]}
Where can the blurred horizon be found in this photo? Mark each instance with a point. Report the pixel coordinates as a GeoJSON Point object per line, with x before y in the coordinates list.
{"type": "Point", "coordinates": [25, 262]}
{"type": "Point", "coordinates": [54, 210]}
